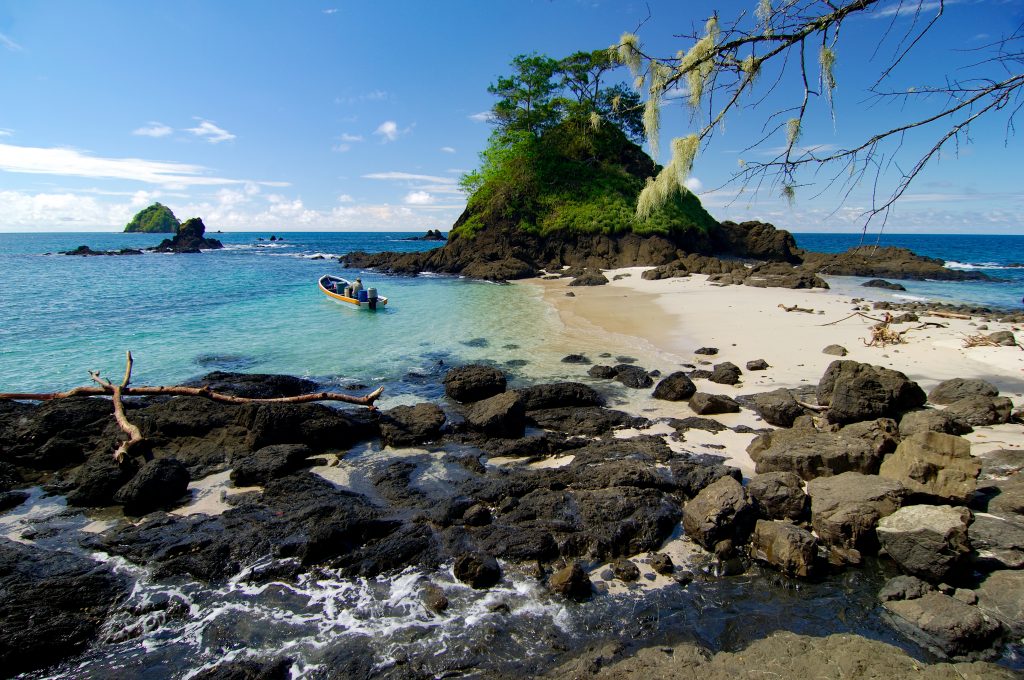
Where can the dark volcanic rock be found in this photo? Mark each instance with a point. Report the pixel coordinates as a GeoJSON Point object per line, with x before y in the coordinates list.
{"type": "Point", "coordinates": [886, 262]}
{"type": "Point", "coordinates": [690, 476]}
{"type": "Point", "coordinates": [777, 407]}
{"type": "Point", "coordinates": [98, 479]}
{"type": "Point", "coordinates": [633, 376]}
{"type": "Point", "coordinates": [474, 382]}
{"type": "Point", "coordinates": [882, 283]}
{"type": "Point", "coordinates": [479, 570]}
{"type": "Point", "coordinates": [270, 462]}
{"type": "Point", "coordinates": [53, 603]}
{"type": "Point", "coordinates": [189, 239]}
{"type": "Point", "coordinates": [87, 251]}
{"type": "Point", "coordinates": [55, 433]}
{"type": "Point", "coordinates": [559, 395]}
{"type": "Point", "coordinates": [929, 541]}
{"type": "Point", "coordinates": [625, 570]}
{"type": "Point", "coordinates": [571, 582]}
{"type": "Point", "coordinates": [255, 385]}
{"type": "Point", "coordinates": [855, 391]}
{"type": "Point", "coordinates": [846, 508]}
{"type": "Point", "coordinates": [157, 484]}
{"type": "Point", "coordinates": [931, 420]}
{"type": "Point", "coordinates": [720, 516]}
{"type": "Point", "coordinates": [705, 404]}
{"type": "Point", "coordinates": [411, 425]}
{"type": "Point", "coordinates": [575, 359]}
{"type": "Point", "coordinates": [584, 420]}
{"type": "Point", "coordinates": [779, 495]}
{"type": "Point", "coordinates": [603, 372]}
{"type": "Point", "coordinates": [590, 277]}
{"type": "Point", "coordinates": [675, 387]}
{"type": "Point", "coordinates": [757, 365]}
{"type": "Point", "coordinates": [943, 624]}
{"type": "Point", "coordinates": [1001, 596]}
{"type": "Point", "coordinates": [502, 415]}
{"type": "Point", "coordinates": [248, 669]}
{"type": "Point", "coordinates": [811, 454]}
{"type": "Point", "coordinates": [948, 391]}
{"type": "Point", "coordinates": [725, 373]}
{"type": "Point", "coordinates": [979, 409]}
{"type": "Point", "coordinates": [998, 542]}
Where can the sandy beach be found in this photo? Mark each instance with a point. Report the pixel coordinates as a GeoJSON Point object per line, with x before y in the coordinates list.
{"type": "Point", "coordinates": [670, 318]}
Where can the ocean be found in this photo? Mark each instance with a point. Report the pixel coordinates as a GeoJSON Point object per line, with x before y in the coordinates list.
{"type": "Point", "coordinates": [254, 307]}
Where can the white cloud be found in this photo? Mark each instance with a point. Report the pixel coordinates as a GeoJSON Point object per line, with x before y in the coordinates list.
{"type": "Point", "coordinates": [408, 176]}
{"type": "Point", "coordinates": [448, 149]}
{"type": "Point", "coordinates": [693, 184]}
{"type": "Point", "coordinates": [9, 44]}
{"type": "Point", "coordinates": [73, 163]}
{"type": "Point", "coordinates": [911, 8]}
{"type": "Point", "coordinates": [345, 198]}
{"type": "Point", "coordinates": [6, 132]}
{"type": "Point", "coordinates": [153, 129]}
{"type": "Point", "coordinates": [332, 10]}
{"type": "Point", "coordinates": [210, 132]}
{"type": "Point", "coordinates": [418, 198]}
{"type": "Point", "coordinates": [388, 130]}
{"type": "Point", "coordinates": [341, 148]}
{"type": "Point", "coordinates": [482, 117]}
{"type": "Point", "coordinates": [346, 137]}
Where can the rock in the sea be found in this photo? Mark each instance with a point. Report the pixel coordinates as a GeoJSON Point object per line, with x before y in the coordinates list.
{"type": "Point", "coordinates": [944, 624]}
{"type": "Point", "coordinates": [977, 410]}
{"type": "Point", "coordinates": [882, 283]}
{"type": "Point", "coordinates": [411, 425]}
{"type": "Point", "coordinates": [675, 387]}
{"type": "Point", "coordinates": [157, 484]}
{"type": "Point", "coordinates": [560, 395]}
{"type": "Point", "coordinates": [835, 350]}
{"type": "Point", "coordinates": [788, 548]}
{"type": "Point", "coordinates": [268, 463]}
{"type": "Point", "coordinates": [904, 587]}
{"type": "Point", "coordinates": [433, 598]}
{"type": "Point", "coordinates": [779, 495]}
{"type": "Point", "coordinates": [502, 415]}
{"type": "Point", "coordinates": [99, 478]}
{"type": "Point", "coordinates": [934, 464]}
{"type": "Point", "coordinates": [948, 391]}
{"type": "Point", "coordinates": [52, 604]}
{"type": "Point", "coordinates": [601, 371]}
{"type": "Point", "coordinates": [845, 509]}
{"type": "Point", "coordinates": [928, 541]}
{"type": "Point", "coordinates": [706, 351]}
{"type": "Point", "coordinates": [662, 563]}
{"type": "Point", "coordinates": [725, 373]}
{"type": "Point", "coordinates": [633, 376]}
{"type": "Point", "coordinates": [474, 382]}
{"type": "Point", "coordinates": [575, 359]}
{"type": "Point", "coordinates": [778, 407]}
{"type": "Point", "coordinates": [255, 385]}
{"type": "Point", "coordinates": [477, 569]}
{"type": "Point", "coordinates": [854, 391]}
{"type": "Point", "coordinates": [190, 238]}
{"type": "Point", "coordinates": [720, 517]}
{"type": "Point", "coordinates": [248, 669]}
{"type": "Point", "coordinates": [572, 582]}
{"type": "Point", "coordinates": [706, 404]}
{"type": "Point", "coordinates": [810, 453]}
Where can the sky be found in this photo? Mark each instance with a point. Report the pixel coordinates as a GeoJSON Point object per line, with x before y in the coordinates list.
{"type": "Point", "coordinates": [361, 116]}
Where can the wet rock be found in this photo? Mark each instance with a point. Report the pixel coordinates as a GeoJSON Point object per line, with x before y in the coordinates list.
{"type": "Point", "coordinates": [788, 548]}
{"type": "Point", "coordinates": [602, 372]}
{"type": "Point", "coordinates": [433, 598]}
{"type": "Point", "coordinates": [502, 415]}
{"type": "Point", "coordinates": [845, 509]}
{"type": "Point", "coordinates": [675, 387]}
{"type": "Point", "coordinates": [681, 425]}
{"type": "Point", "coordinates": [571, 582]}
{"type": "Point", "coordinates": [721, 513]}
{"type": "Point", "coordinates": [662, 563]}
{"type": "Point", "coordinates": [1003, 338]}
{"type": "Point", "coordinates": [779, 495]}
{"type": "Point", "coordinates": [726, 373]}
{"type": "Point", "coordinates": [54, 434]}
{"type": "Point", "coordinates": [757, 365]}
{"type": "Point", "coordinates": [411, 425]}
{"type": "Point", "coordinates": [929, 541]}
{"type": "Point", "coordinates": [584, 420]}
{"type": "Point", "coordinates": [904, 587]}
{"type": "Point", "coordinates": [955, 389]}
{"type": "Point", "coordinates": [977, 410]}
{"type": "Point", "coordinates": [625, 570]}
{"type": "Point", "coordinates": [94, 484]}
{"type": "Point", "coordinates": [931, 420]}
{"type": "Point", "coordinates": [855, 392]}
{"type": "Point", "coordinates": [53, 603]}
{"type": "Point", "coordinates": [560, 395]}
{"type": "Point", "coordinates": [158, 484]}
{"type": "Point", "coordinates": [12, 499]}
{"type": "Point", "coordinates": [835, 350]}
{"type": "Point", "coordinates": [703, 403]}
{"type": "Point", "coordinates": [777, 407]}
{"type": "Point", "coordinates": [269, 463]}
{"type": "Point", "coordinates": [576, 359]}
{"type": "Point", "coordinates": [998, 542]}
{"type": "Point", "coordinates": [1002, 497]}
{"type": "Point", "coordinates": [474, 382]}
{"type": "Point", "coordinates": [477, 515]}
{"type": "Point", "coordinates": [479, 570]}
{"type": "Point", "coordinates": [633, 377]}
{"type": "Point", "coordinates": [934, 464]}
{"type": "Point", "coordinates": [811, 454]}
{"type": "Point", "coordinates": [1001, 596]}
{"type": "Point", "coordinates": [248, 669]}
{"type": "Point", "coordinates": [706, 351]}
{"type": "Point", "coordinates": [315, 425]}
{"type": "Point", "coordinates": [944, 624]}
{"type": "Point", "coordinates": [255, 385]}
{"type": "Point", "coordinates": [692, 476]}
{"type": "Point", "coordinates": [9, 476]}
{"type": "Point", "coordinates": [882, 283]}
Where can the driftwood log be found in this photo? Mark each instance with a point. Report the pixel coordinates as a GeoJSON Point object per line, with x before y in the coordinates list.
{"type": "Point", "coordinates": [104, 387]}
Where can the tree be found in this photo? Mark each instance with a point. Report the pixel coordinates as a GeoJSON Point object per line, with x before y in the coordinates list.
{"type": "Point", "coordinates": [794, 44]}
{"type": "Point", "coordinates": [528, 102]}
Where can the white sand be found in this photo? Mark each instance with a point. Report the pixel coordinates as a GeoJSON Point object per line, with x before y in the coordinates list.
{"type": "Point", "coordinates": [663, 322]}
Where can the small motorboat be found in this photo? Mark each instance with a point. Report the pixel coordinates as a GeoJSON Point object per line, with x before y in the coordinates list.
{"type": "Point", "coordinates": [340, 290]}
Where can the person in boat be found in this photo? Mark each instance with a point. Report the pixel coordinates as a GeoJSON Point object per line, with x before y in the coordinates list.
{"type": "Point", "coordinates": [356, 287]}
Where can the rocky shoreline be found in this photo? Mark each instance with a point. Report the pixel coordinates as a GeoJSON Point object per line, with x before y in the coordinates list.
{"type": "Point", "coordinates": [540, 480]}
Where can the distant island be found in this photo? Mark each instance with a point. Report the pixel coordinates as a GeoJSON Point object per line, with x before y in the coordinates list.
{"type": "Point", "coordinates": [156, 219]}
{"type": "Point", "coordinates": [431, 235]}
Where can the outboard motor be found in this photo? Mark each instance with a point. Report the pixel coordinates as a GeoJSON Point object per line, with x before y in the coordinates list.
{"type": "Point", "coordinates": [371, 298]}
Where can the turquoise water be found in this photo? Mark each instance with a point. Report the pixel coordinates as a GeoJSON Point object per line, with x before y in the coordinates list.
{"type": "Point", "coordinates": [252, 307]}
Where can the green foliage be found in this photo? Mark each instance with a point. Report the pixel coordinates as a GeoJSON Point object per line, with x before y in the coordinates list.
{"type": "Point", "coordinates": [528, 102]}
{"type": "Point", "coordinates": [156, 219]}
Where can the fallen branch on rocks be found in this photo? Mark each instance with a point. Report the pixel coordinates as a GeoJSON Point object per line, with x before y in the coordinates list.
{"type": "Point", "coordinates": [982, 340]}
{"type": "Point", "coordinates": [117, 392]}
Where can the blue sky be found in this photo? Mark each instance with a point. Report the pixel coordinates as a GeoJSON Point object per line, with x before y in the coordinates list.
{"type": "Point", "coordinates": [334, 115]}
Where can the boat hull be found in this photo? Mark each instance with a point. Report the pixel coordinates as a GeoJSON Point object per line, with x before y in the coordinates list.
{"type": "Point", "coordinates": [343, 299]}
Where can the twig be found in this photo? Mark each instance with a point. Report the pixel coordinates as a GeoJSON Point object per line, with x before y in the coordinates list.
{"type": "Point", "coordinates": [795, 308]}
{"type": "Point", "coordinates": [860, 314]}
{"type": "Point", "coordinates": [134, 433]}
